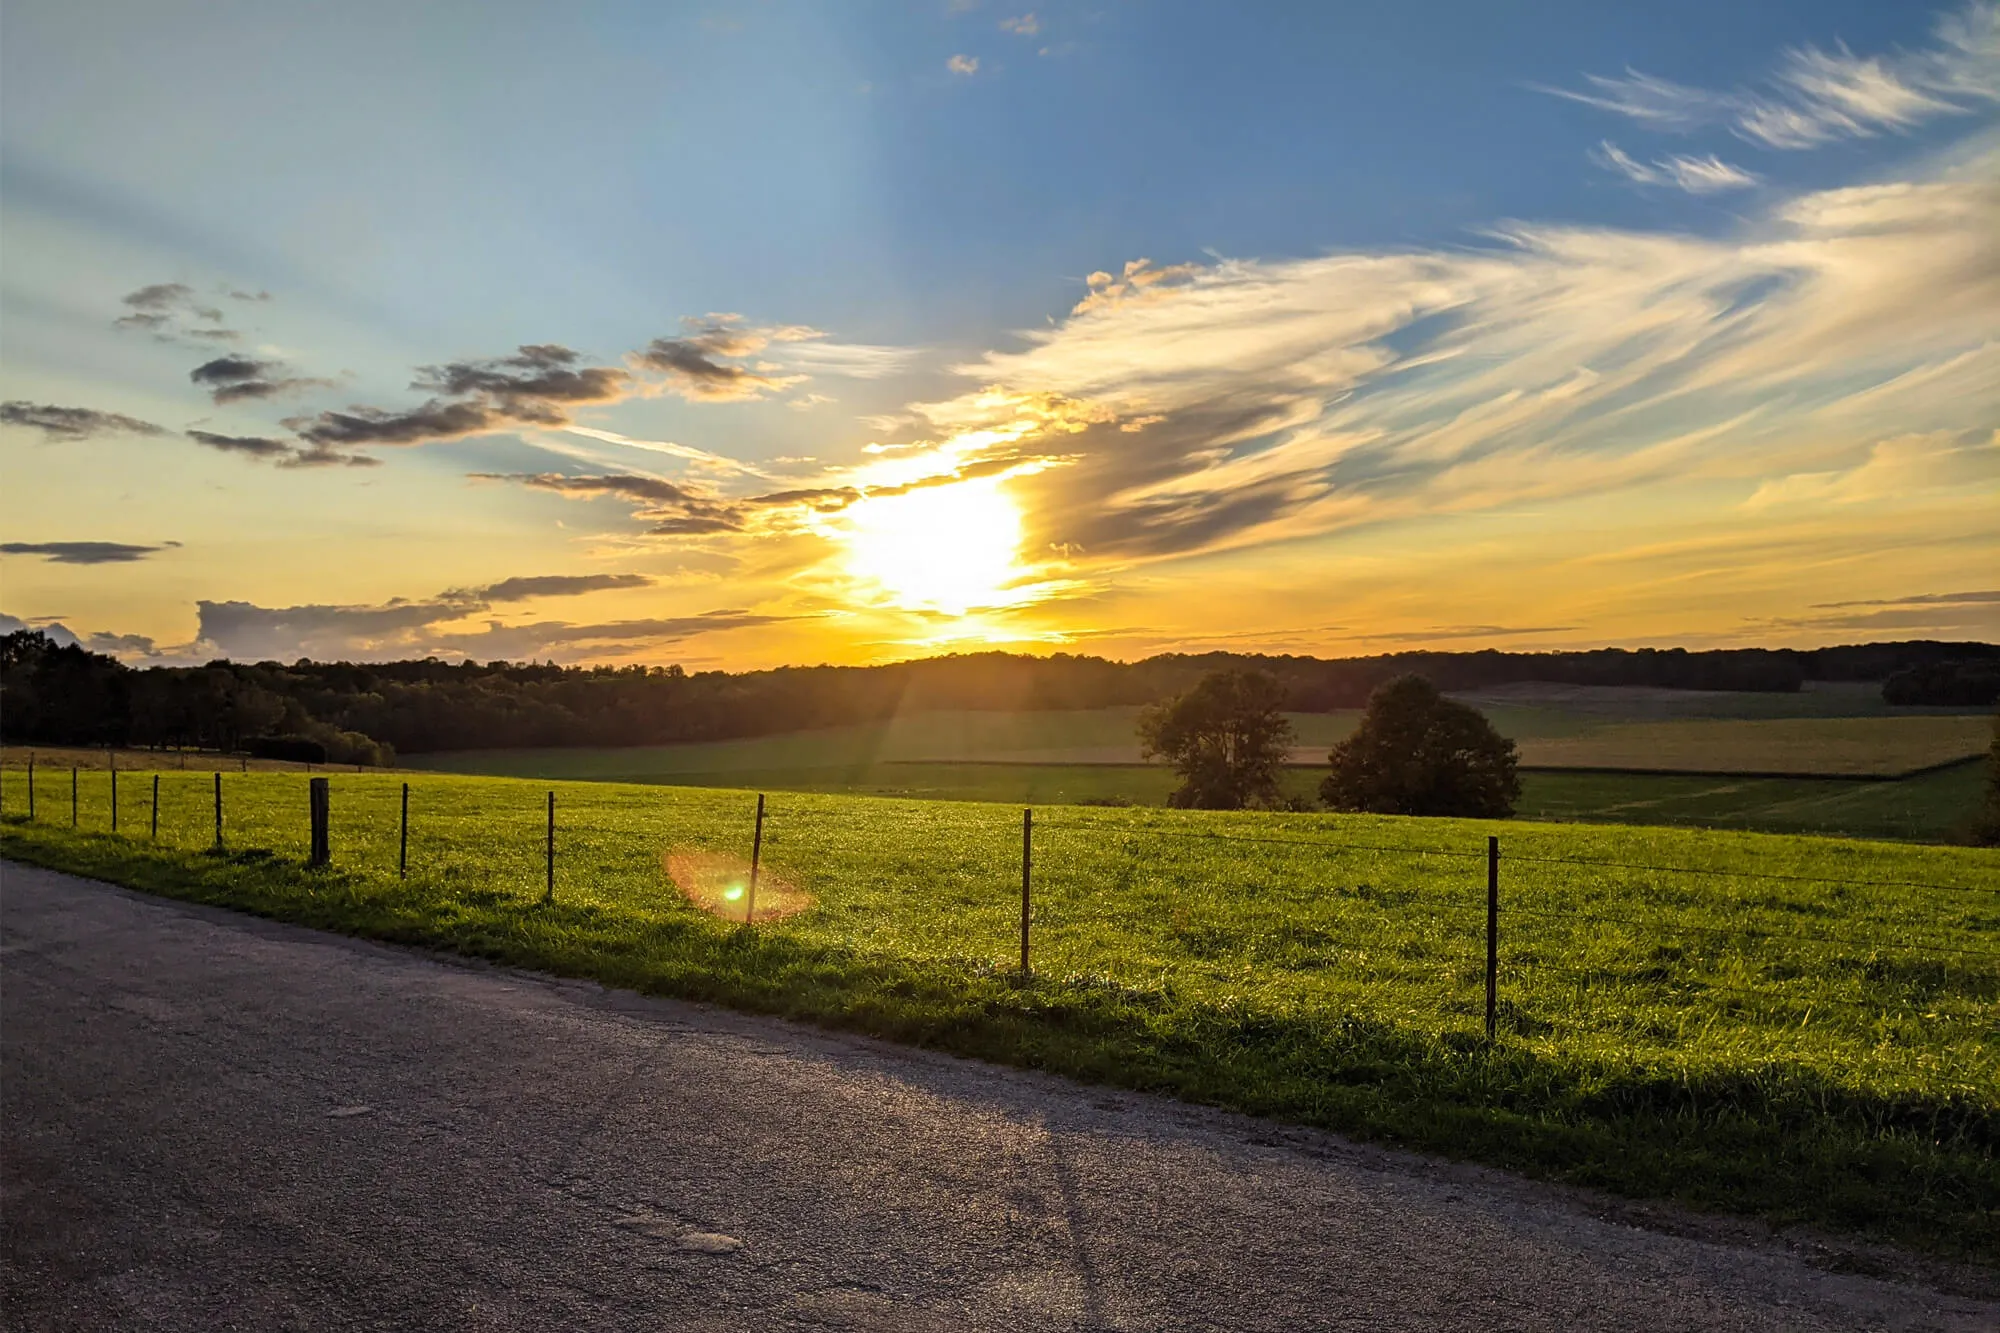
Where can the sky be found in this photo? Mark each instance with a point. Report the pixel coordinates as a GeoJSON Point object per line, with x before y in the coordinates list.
{"type": "Point", "coordinates": [744, 334]}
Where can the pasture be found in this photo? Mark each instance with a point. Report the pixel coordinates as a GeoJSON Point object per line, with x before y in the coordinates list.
{"type": "Point", "coordinates": [1802, 1029]}
{"type": "Point", "coordinates": [1786, 763]}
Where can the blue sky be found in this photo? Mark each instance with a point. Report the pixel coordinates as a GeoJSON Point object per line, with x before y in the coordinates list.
{"type": "Point", "coordinates": [1434, 199]}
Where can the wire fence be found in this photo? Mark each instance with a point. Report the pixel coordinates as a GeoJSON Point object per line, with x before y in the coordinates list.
{"type": "Point", "coordinates": [1486, 932]}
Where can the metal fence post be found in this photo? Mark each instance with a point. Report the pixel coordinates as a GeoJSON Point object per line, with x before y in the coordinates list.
{"type": "Point", "coordinates": [218, 809]}
{"type": "Point", "coordinates": [319, 799]}
{"type": "Point", "coordinates": [156, 807]}
{"type": "Point", "coordinates": [756, 855]}
{"type": "Point", "coordinates": [31, 786]}
{"type": "Point", "coordinates": [72, 795]}
{"type": "Point", "coordinates": [1027, 867]}
{"type": "Point", "coordinates": [403, 845]}
{"type": "Point", "coordinates": [549, 894]}
{"type": "Point", "coordinates": [114, 795]}
{"type": "Point", "coordinates": [1492, 934]}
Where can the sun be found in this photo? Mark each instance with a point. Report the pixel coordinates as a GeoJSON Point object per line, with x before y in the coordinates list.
{"type": "Point", "coordinates": [951, 548]}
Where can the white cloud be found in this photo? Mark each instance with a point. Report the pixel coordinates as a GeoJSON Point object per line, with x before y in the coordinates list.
{"type": "Point", "coordinates": [1816, 97]}
{"type": "Point", "coordinates": [1027, 25]}
{"type": "Point", "coordinates": [1696, 175]}
{"type": "Point", "coordinates": [1242, 402]}
{"type": "Point", "coordinates": [962, 64]}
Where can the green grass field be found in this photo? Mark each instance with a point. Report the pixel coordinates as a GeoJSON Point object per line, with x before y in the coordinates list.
{"type": "Point", "coordinates": [1801, 1029]}
{"type": "Point", "coordinates": [1092, 756]}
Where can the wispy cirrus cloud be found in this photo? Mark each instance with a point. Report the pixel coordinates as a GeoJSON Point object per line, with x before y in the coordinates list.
{"type": "Point", "coordinates": [1815, 97]}
{"type": "Point", "coordinates": [1695, 175]}
{"type": "Point", "coordinates": [679, 510]}
{"type": "Point", "coordinates": [1245, 402]}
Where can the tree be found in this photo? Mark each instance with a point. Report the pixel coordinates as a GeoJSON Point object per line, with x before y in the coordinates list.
{"type": "Point", "coordinates": [1226, 738]}
{"type": "Point", "coordinates": [1987, 827]}
{"type": "Point", "coordinates": [1419, 753]}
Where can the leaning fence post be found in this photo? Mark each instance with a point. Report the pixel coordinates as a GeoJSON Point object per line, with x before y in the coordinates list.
{"type": "Point", "coordinates": [319, 800]}
{"type": "Point", "coordinates": [403, 845]}
{"type": "Point", "coordinates": [1027, 867]}
{"type": "Point", "coordinates": [218, 809]}
{"type": "Point", "coordinates": [549, 894]}
{"type": "Point", "coordinates": [756, 854]}
{"type": "Point", "coordinates": [1492, 933]}
{"type": "Point", "coordinates": [156, 807]}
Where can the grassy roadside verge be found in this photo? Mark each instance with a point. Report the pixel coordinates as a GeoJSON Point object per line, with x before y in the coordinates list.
{"type": "Point", "coordinates": [1750, 1129]}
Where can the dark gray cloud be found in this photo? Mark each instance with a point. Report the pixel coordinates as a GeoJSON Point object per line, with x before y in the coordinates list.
{"type": "Point", "coordinates": [535, 387]}
{"type": "Point", "coordinates": [284, 453]}
{"type": "Point", "coordinates": [558, 585]}
{"type": "Point", "coordinates": [540, 374]}
{"type": "Point", "coordinates": [434, 420]}
{"type": "Point", "coordinates": [254, 446]}
{"type": "Point", "coordinates": [233, 378]}
{"type": "Point", "coordinates": [321, 455]}
{"type": "Point", "coordinates": [1922, 599]}
{"type": "Point", "coordinates": [695, 525]}
{"type": "Point", "coordinates": [699, 362]}
{"type": "Point", "coordinates": [84, 553]}
{"type": "Point", "coordinates": [677, 510]}
{"type": "Point", "coordinates": [646, 490]}
{"type": "Point", "coordinates": [172, 309]}
{"type": "Point", "coordinates": [74, 423]}
{"type": "Point", "coordinates": [400, 628]}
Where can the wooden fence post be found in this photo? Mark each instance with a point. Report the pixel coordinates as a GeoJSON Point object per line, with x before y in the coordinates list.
{"type": "Point", "coordinates": [156, 807]}
{"type": "Point", "coordinates": [319, 799]}
{"type": "Point", "coordinates": [218, 809]}
{"type": "Point", "coordinates": [756, 854]}
{"type": "Point", "coordinates": [1027, 867]}
{"type": "Point", "coordinates": [1492, 934]}
{"type": "Point", "coordinates": [549, 894]}
{"type": "Point", "coordinates": [403, 845]}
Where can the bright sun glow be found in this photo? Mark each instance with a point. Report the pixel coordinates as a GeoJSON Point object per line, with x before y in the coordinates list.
{"type": "Point", "coordinates": [944, 548]}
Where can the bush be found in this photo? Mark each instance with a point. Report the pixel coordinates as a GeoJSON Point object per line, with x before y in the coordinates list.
{"type": "Point", "coordinates": [1987, 828]}
{"type": "Point", "coordinates": [1419, 753]}
{"type": "Point", "coordinates": [290, 749]}
{"type": "Point", "coordinates": [1945, 684]}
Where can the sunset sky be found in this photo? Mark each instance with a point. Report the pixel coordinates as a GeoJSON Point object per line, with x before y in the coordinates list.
{"type": "Point", "coordinates": [744, 334]}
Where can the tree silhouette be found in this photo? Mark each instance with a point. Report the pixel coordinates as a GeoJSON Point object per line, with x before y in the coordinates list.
{"type": "Point", "coordinates": [1226, 738]}
{"type": "Point", "coordinates": [1987, 827]}
{"type": "Point", "coordinates": [1419, 753]}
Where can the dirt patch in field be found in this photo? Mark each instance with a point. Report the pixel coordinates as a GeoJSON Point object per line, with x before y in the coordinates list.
{"type": "Point", "coordinates": [720, 886]}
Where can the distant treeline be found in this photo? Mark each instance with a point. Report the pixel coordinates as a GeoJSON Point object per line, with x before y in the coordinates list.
{"type": "Point", "coordinates": [365, 712]}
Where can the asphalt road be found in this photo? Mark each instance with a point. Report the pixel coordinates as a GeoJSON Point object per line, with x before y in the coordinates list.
{"type": "Point", "coordinates": [212, 1122]}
